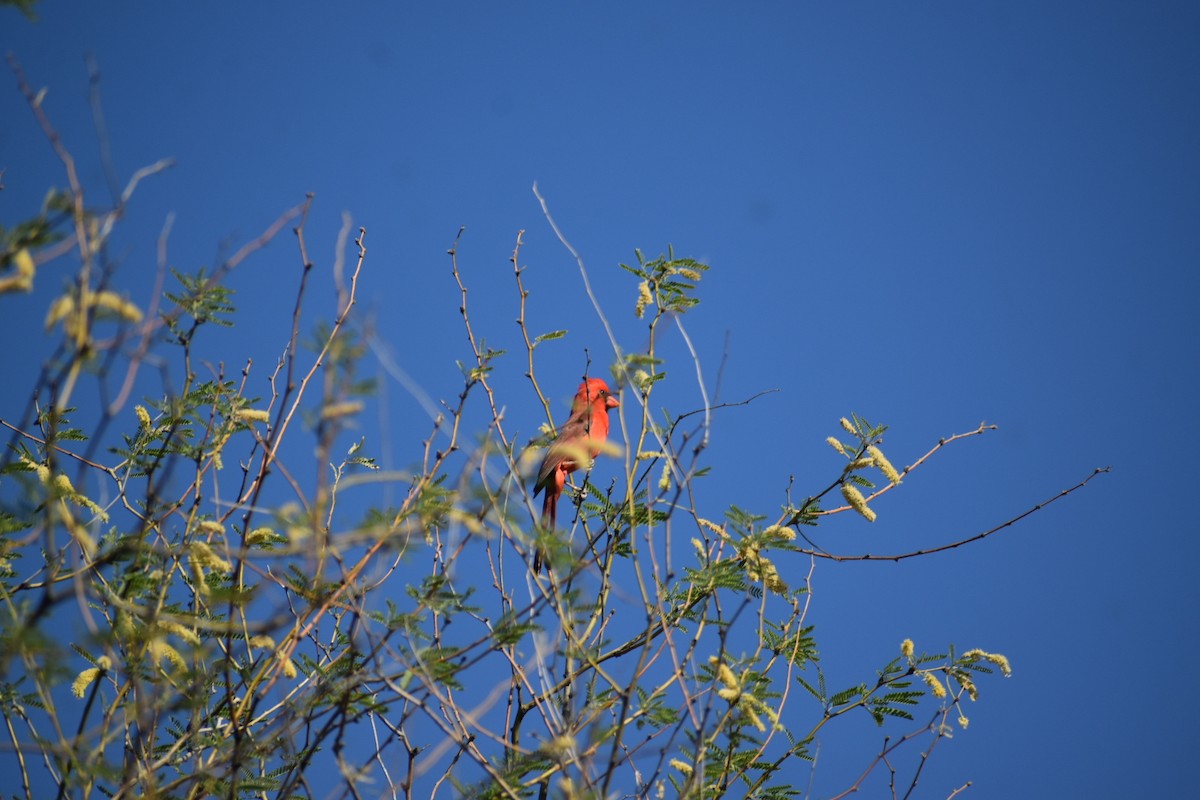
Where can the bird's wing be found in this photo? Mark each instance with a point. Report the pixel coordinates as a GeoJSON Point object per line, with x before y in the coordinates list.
{"type": "Point", "coordinates": [565, 447]}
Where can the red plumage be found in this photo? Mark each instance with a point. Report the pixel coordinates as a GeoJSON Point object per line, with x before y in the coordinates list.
{"type": "Point", "coordinates": [582, 434]}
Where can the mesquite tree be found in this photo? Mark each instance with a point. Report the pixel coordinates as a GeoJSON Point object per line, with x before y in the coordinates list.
{"type": "Point", "coordinates": [207, 589]}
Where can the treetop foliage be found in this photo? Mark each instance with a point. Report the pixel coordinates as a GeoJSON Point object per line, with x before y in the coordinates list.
{"type": "Point", "coordinates": [208, 589]}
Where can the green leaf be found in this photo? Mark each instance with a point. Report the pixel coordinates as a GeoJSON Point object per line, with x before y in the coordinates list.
{"type": "Point", "coordinates": [846, 695]}
{"type": "Point", "coordinates": [546, 337]}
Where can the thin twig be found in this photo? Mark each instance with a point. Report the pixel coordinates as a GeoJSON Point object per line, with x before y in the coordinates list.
{"type": "Point", "coordinates": [959, 543]}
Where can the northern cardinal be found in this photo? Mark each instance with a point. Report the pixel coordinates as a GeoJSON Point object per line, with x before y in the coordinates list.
{"type": "Point", "coordinates": [577, 443]}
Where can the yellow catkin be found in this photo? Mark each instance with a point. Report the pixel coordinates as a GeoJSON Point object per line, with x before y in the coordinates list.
{"type": "Point", "coordinates": [336, 410]}
{"type": "Point", "coordinates": [259, 535]}
{"type": "Point", "coordinates": [252, 415]}
{"type": "Point", "coordinates": [1001, 662]}
{"type": "Point", "coordinates": [187, 634]}
{"type": "Point", "coordinates": [993, 658]}
{"type": "Point", "coordinates": [59, 310]}
{"type": "Point", "coordinates": [857, 501]}
{"type": "Point", "coordinates": [644, 299]}
{"type": "Point", "coordinates": [125, 626]}
{"type": "Point", "coordinates": [771, 713]}
{"type": "Point", "coordinates": [63, 484]}
{"type": "Point", "coordinates": [774, 583]}
{"type": "Point", "coordinates": [83, 680]}
{"type": "Point", "coordinates": [161, 651]}
{"type": "Point", "coordinates": [761, 568]}
{"type": "Point", "coordinates": [780, 532]}
{"type": "Point", "coordinates": [884, 465]}
{"type": "Point", "coordinates": [682, 766]}
{"type": "Point", "coordinates": [23, 262]}
{"type": "Point", "coordinates": [562, 745]}
{"type": "Point", "coordinates": [25, 269]}
{"type": "Point", "coordinates": [724, 673]}
{"type": "Point", "coordinates": [288, 666]}
{"type": "Point", "coordinates": [119, 306]}
{"type": "Point", "coordinates": [203, 556]}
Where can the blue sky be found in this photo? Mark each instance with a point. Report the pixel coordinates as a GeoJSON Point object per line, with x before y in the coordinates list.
{"type": "Point", "coordinates": [931, 214]}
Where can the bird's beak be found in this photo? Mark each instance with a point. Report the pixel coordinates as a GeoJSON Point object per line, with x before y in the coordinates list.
{"type": "Point", "coordinates": [612, 402]}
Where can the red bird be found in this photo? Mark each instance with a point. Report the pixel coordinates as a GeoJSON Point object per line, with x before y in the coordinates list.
{"type": "Point", "coordinates": [580, 436]}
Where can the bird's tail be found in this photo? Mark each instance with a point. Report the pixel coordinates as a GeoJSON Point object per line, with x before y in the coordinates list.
{"type": "Point", "coordinates": [549, 518]}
